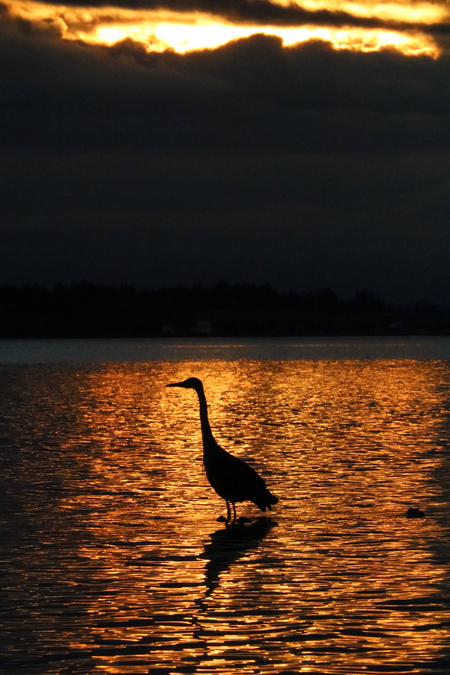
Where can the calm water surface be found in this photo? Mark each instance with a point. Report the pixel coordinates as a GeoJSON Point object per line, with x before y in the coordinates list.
{"type": "Point", "coordinates": [112, 559]}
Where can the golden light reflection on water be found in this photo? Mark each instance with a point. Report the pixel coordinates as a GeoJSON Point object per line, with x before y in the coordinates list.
{"type": "Point", "coordinates": [121, 546]}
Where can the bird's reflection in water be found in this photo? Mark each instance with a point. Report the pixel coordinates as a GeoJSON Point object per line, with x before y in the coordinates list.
{"type": "Point", "coordinates": [228, 545]}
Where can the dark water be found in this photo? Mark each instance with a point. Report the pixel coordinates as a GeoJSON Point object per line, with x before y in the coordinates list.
{"type": "Point", "coordinates": [112, 560]}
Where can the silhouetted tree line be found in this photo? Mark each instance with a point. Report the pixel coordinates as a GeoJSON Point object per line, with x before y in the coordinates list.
{"type": "Point", "coordinates": [93, 310]}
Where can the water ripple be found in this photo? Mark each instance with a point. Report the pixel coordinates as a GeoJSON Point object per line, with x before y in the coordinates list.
{"type": "Point", "coordinates": [112, 559]}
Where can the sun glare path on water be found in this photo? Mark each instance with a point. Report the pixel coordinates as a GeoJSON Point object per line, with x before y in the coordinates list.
{"type": "Point", "coordinates": [159, 30]}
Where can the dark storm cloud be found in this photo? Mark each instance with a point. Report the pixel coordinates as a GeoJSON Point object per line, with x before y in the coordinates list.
{"type": "Point", "coordinates": [303, 166]}
{"type": "Point", "coordinates": [297, 221]}
{"type": "Point", "coordinates": [252, 94]}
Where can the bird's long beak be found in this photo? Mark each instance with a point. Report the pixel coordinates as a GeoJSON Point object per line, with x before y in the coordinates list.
{"type": "Point", "coordinates": [175, 384]}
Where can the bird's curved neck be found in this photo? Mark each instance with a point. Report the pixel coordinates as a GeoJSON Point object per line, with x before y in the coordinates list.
{"type": "Point", "coordinates": [204, 421]}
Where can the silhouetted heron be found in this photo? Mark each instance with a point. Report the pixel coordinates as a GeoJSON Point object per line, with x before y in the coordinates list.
{"type": "Point", "coordinates": [232, 479]}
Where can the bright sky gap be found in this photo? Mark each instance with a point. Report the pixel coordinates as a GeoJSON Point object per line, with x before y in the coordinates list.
{"type": "Point", "coordinates": [357, 26]}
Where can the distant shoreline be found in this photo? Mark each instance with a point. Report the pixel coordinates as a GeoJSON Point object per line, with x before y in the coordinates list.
{"type": "Point", "coordinates": [240, 310]}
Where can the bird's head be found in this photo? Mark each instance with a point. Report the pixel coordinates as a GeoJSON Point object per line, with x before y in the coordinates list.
{"type": "Point", "coordinates": [190, 383]}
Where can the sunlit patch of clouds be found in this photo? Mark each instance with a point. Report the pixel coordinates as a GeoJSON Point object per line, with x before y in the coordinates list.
{"type": "Point", "coordinates": [396, 25]}
{"type": "Point", "coordinates": [407, 11]}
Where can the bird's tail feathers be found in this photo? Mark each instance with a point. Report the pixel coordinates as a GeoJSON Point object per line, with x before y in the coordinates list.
{"type": "Point", "coordinates": [265, 500]}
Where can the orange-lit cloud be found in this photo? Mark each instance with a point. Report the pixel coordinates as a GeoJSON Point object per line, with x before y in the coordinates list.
{"type": "Point", "coordinates": [359, 26]}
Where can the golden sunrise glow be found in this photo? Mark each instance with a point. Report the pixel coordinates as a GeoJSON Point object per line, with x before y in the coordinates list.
{"type": "Point", "coordinates": [418, 12]}
{"type": "Point", "coordinates": [160, 30]}
{"type": "Point", "coordinates": [184, 38]}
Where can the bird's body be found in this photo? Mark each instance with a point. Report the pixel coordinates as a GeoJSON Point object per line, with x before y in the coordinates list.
{"type": "Point", "coordinates": [232, 479]}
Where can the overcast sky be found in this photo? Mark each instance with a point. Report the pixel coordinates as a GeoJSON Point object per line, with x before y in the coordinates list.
{"type": "Point", "coordinates": [302, 166]}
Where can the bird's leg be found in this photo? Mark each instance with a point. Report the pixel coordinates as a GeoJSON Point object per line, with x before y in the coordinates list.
{"type": "Point", "coordinates": [234, 511]}
{"type": "Point", "coordinates": [228, 511]}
